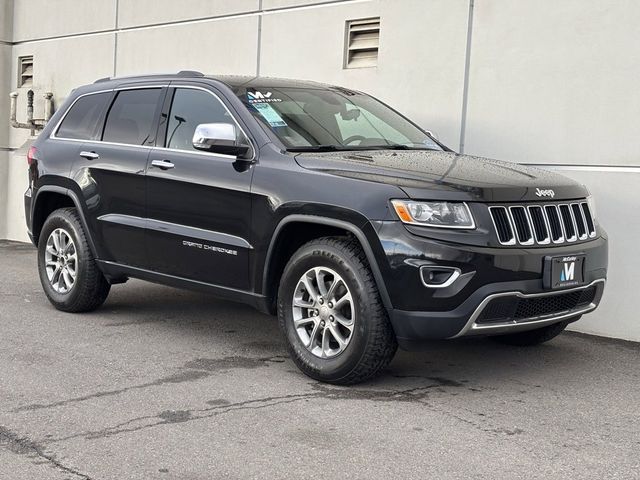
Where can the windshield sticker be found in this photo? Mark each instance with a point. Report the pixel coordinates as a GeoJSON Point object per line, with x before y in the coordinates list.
{"type": "Point", "coordinates": [430, 143]}
{"type": "Point", "coordinates": [270, 115]}
{"type": "Point", "coordinates": [259, 97]}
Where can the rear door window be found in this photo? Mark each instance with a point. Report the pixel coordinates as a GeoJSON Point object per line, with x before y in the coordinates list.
{"type": "Point", "coordinates": [81, 122]}
{"type": "Point", "coordinates": [131, 117]}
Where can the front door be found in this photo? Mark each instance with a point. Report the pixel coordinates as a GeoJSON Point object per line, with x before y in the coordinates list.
{"type": "Point", "coordinates": [199, 204]}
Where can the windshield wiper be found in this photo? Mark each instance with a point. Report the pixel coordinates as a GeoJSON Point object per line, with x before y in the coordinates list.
{"type": "Point", "coordinates": [398, 146]}
{"type": "Point", "coordinates": [319, 148]}
{"type": "Point", "coordinates": [343, 148]}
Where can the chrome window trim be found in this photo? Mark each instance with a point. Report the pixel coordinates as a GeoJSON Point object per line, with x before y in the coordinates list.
{"type": "Point", "coordinates": [473, 328]}
{"type": "Point", "coordinates": [495, 227]}
{"type": "Point", "coordinates": [53, 135]}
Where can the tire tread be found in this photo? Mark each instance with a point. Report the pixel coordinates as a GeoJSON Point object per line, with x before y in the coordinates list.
{"type": "Point", "coordinates": [381, 343]}
{"type": "Point", "coordinates": [93, 288]}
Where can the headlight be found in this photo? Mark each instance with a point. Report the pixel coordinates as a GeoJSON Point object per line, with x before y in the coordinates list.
{"type": "Point", "coordinates": [435, 214]}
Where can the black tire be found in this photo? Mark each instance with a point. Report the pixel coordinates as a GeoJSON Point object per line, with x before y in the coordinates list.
{"type": "Point", "coordinates": [90, 288]}
{"type": "Point", "coordinates": [372, 343]}
{"type": "Point", "coordinates": [534, 337]}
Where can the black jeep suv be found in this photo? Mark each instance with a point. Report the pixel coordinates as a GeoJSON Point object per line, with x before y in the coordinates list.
{"type": "Point", "coordinates": [315, 202]}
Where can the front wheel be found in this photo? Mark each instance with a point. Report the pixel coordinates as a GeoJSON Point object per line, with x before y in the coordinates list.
{"type": "Point", "coordinates": [534, 337]}
{"type": "Point", "coordinates": [69, 274]}
{"type": "Point", "coordinates": [330, 312]}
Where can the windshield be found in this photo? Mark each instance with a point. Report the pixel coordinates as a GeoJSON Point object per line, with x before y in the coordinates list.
{"type": "Point", "coordinates": [332, 119]}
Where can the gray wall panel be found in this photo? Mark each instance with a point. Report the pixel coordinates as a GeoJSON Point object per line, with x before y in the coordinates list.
{"type": "Point", "coordinates": [549, 82]}
{"type": "Point", "coordinates": [555, 82]}
{"type": "Point", "coordinates": [144, 12]}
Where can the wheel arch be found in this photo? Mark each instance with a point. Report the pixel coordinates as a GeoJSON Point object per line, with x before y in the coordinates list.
{"type": "Point", "coordinates": [279, 250]}
{"type": "Point", "coordinates": [50, 198]}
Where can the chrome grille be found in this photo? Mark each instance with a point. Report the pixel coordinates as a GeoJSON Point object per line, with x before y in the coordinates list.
{"type": "Point", "coordinates": [543, 224]}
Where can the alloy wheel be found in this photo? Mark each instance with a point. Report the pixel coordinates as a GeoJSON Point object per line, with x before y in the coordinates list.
{"type": "Point", "coordinates": [61, 261]}
{"type": "Point", "coordinates": [323, 312]}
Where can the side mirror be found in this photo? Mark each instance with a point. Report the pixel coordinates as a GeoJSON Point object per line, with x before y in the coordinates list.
{"type": "Point", "coordinates": [220, 138]}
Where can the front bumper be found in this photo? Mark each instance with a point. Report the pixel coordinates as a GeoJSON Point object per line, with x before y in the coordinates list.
{"type": "Point", "coordinates": [489, 276]}
{"type": "Point", "coordinates": [412, 328]}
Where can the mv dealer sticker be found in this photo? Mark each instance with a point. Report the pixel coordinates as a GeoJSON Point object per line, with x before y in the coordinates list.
{"type": "Point", "coordinates": [260, 97]}
{"type": "Point", "coordinates": [568, 272]}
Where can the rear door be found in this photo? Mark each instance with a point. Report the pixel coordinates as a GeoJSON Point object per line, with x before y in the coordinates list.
{"type": "Point", "coordinates": [111, 174]}
{"type": "Point", "coordinates": [199, 203]}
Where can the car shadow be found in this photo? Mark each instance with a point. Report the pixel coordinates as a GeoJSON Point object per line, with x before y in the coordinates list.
{"type": "Point", "coordinates": [473, 360]}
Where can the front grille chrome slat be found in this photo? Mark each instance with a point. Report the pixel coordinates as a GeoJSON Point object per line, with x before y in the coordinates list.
{"type": "Point", "coordinates": [568, 223]}
{"type": "Point", "coordinates": [503, 224]}
{"type": "Point", "coordinates": [555, 224]}
{"type": "Point", "coordinates": [581, 222]}
{"type": "Point", "coordinates": [522, 225]}
{"type": "Point", "coordinates": [540, 224]}
{"type": "Point", "coordinates": [586, 211]}
{"type": "Point", "coordinates": [544, 224]}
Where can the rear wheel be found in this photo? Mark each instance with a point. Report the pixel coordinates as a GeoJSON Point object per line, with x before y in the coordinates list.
{"type": "Point", "coordinates": [534, 337]}
{"type": "Point", "coordinates": [330, 312]}
{"type": "Point", "coordinates": [69, 274]}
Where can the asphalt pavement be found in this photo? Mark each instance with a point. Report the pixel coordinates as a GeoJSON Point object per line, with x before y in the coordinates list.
{"type": "Point", "coordinates": [162, 383]}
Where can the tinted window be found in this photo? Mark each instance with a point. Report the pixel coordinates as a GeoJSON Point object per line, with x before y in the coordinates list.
{"type": "Point", "coordinates": [189, 109]}
{"type": "Point", "coordinates": [82, 119]}
{"type": "Point", "coordinates": [131, 116]}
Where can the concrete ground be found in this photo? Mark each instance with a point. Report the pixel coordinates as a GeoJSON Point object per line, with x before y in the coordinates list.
{"type": "Point", "coordinates": [167, 384]}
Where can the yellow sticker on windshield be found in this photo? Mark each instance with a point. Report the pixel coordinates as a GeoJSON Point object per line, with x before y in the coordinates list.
{"type": "Point", "coordinates": [270, 115]}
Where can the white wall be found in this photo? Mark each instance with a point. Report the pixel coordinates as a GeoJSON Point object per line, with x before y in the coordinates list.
{"type": "Point", "coordinates": [557, 83]}
{"type": "Point", "coordinates": [550, 83]}
{"type": "Point", "coordinates": [6, 38]}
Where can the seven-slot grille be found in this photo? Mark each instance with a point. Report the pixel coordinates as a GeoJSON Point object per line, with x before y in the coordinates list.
{"type": "Point", "coordinates": [543, 224]}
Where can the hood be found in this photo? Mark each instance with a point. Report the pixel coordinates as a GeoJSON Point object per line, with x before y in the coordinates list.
{"type": "Point", "coordinates": [446, 175]}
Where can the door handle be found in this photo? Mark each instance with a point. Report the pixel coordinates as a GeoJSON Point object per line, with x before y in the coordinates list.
{"type": "Point", "coordinates": [163, 164]}
{"type": "Point", "coordinates": [89, 155]}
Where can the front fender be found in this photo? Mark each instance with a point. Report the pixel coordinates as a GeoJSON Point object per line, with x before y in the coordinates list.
{"type": "Point", "coordinates": [358, 226]}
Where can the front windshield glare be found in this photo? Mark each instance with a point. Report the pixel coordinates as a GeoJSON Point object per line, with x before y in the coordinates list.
{"type": "Point", "coordinates": [310, 119]}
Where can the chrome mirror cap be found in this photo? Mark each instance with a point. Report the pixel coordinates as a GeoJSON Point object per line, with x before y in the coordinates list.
{"type": "Point", "coordinates": [208, 135]}
{"type": "Point", "coordinates": [220, 138]}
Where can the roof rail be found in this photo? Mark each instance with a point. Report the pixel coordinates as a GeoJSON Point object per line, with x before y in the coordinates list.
{"type": "Point", "coordinates": [190, 73]}
{"type": "Point", "coordinates": [181, 73]}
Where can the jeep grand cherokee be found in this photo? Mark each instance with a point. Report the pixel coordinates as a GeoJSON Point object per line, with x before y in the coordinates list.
{"type": "Point", "coordinates": [317, 203]}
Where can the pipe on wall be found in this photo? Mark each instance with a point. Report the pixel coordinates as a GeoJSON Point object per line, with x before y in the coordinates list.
{"type": "Point", "coordinates": [32, 124]}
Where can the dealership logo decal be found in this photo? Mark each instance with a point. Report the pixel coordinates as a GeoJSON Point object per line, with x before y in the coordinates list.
{"type": "Point", "coordinates": [545, 193]}
{"type": "Point", "coordinates": [568, 272]}
{"type": "Point", "coordinates": [259, 97]}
